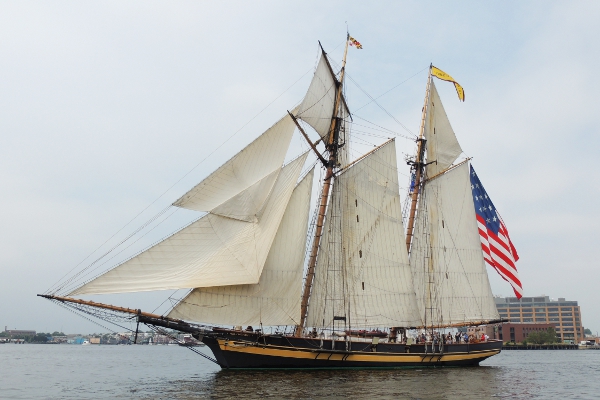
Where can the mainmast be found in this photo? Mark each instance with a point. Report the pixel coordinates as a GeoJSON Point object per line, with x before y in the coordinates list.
{"type": "Point", "coordinates": [331, 145]}
{"type": "Point", "coordinates": [418, 165]}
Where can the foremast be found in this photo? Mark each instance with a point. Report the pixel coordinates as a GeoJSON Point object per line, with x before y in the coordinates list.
{"type": "Point", "coordinates": [331, 145]}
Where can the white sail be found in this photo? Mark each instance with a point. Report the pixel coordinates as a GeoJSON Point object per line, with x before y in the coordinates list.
{"type": "Point", "coordinates": [212, 251]}
{"type": "Point", "coordinates": [246, 204]}
{"type": "Point", "coordinates": [442, 145]}
{"type": "Point", "coordinates": [317, 107]}
{"type": "Point", "coordinates": [449, 272]}
{"type": "Point", "coordinates": [275, 299]}
{"type": "Point", "coordinates": [363, 273]}
{"type": "Point", "coordinates": [253, 170]}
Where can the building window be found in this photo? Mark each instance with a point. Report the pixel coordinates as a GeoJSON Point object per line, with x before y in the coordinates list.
{"type": "Point", "coordinates": [567, 314]}
{"type": "Point", "coordinates": [540, 320]}
{"type": "Point", "coordinates": [566, 309]}
{"type": "Point", "coordinates": [553, 314]}
{"type": "Point", "coordinates": [567, 324]}
{"type": "Point", "coordinates": [527, 310]}
{"type": "Point", "coordinates": [528, 315]}
{"type": "Point", "coordinates": [527, 319]}
{"type": "Point", "coordinates": [540, 314]}
{"type": "Point", "coordinates": [552, 309]}
{"type": "Point", "coordinates": [554, 319]}
{"type": "Point", "coordinates": [540, 310]}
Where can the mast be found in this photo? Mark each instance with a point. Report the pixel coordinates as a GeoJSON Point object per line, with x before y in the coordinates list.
{"type": "Point", "coordinates": [418, 165]}
{"type": "Point", "coordinates": [331, 146]}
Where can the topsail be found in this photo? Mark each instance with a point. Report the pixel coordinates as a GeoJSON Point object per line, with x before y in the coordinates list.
{"type": "Point", "coordinates": [442, 146]}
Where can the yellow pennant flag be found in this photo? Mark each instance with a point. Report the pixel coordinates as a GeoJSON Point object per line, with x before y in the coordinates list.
{"type": "Point", "coordinates": [438, 73]}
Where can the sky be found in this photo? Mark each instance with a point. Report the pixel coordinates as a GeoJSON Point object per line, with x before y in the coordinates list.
{"type": "Point", "coordinates": [110, 111]}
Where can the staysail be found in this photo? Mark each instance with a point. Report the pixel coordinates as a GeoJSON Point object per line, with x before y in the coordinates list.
{"type": "Point", "coordinates": [212, 251]}
{"type": "Point", "coordinates": [363, 273]}
{"type": "Point", "coordinates": [442, 146]}
{"type": "Point", "coordinates": [239, 188]}
{"type": "Point", "coordinates": [449, 273]}
{"type": "Point", "coordinates": [275, 299]}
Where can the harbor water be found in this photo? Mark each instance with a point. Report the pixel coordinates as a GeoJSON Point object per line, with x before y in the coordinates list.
{"type": "Point", "coordinates": [32, 371]}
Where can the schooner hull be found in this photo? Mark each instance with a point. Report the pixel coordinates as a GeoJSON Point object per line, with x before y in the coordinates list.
{"type": "Point", "coordinates": [232, 351]}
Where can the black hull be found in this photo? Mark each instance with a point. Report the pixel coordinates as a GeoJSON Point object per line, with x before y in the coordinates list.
{"type": "Point", "coordinates": [233, 350]}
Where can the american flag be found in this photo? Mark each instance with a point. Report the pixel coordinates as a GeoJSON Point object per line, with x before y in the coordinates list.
{"type": "Point", "coordinates": [498, 250]}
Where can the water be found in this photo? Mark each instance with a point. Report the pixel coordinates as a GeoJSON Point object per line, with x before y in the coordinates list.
{"type": "Point", "coordinates": [171, 372]}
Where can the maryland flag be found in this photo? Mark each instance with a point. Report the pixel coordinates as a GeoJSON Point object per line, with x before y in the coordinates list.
{"type": "Point", "coordinates": [438, 73]}
{"type": "Point", "coordinates": [354, 42]}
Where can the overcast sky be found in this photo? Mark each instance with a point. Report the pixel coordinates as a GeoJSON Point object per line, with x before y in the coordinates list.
{"type": "Point", "coordinates": [105, 106]}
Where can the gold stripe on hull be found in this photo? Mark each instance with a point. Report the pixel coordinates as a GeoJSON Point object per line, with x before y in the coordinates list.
{"type": "Point", "coordinates": [366, 357]}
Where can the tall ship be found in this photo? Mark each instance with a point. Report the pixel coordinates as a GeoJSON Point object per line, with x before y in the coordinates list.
{"type": "Point", "coordinates": [354, 283]}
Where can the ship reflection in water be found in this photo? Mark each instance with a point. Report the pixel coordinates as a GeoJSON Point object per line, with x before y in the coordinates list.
{"type": "Point", "coordinates": [440, 383]}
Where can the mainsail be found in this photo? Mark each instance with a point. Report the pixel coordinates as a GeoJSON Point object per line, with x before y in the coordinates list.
{"type": "Point", "coordinates": [275, 299]}
{"type": "Point", "coordinates": [363, 273]}
{"type": "Point", "coordinates": [212, 251]}
{"type": "Point", "coordinates": [449, 273]}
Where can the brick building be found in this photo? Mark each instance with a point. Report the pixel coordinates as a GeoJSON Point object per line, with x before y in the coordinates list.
{"type": "Point", "coordinates": [509, 332]}
{"type": "Point", "coordinates": [564, 315]}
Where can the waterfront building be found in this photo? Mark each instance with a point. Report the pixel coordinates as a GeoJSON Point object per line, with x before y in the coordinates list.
{"type": "Point", "coordinates": [563, 314]}
{"type": "Point", "coordinates": [18, 332]}
{"type": "Point", "coordinates": [509, 332]}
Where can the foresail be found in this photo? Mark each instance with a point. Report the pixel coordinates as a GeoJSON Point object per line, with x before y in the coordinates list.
{"type": "Point", "coordinates": [449, 273]}
{"type": "Point", "coordinates": [212, 251]}
{"type": "Point", "coordinates": [275, 299]}
{"type": "Point", "coordinates": [252, 171]}
{"type": "Point", "coordinates": [363, 273]}
{"type": "Point", "coordinates": [442, 146]}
